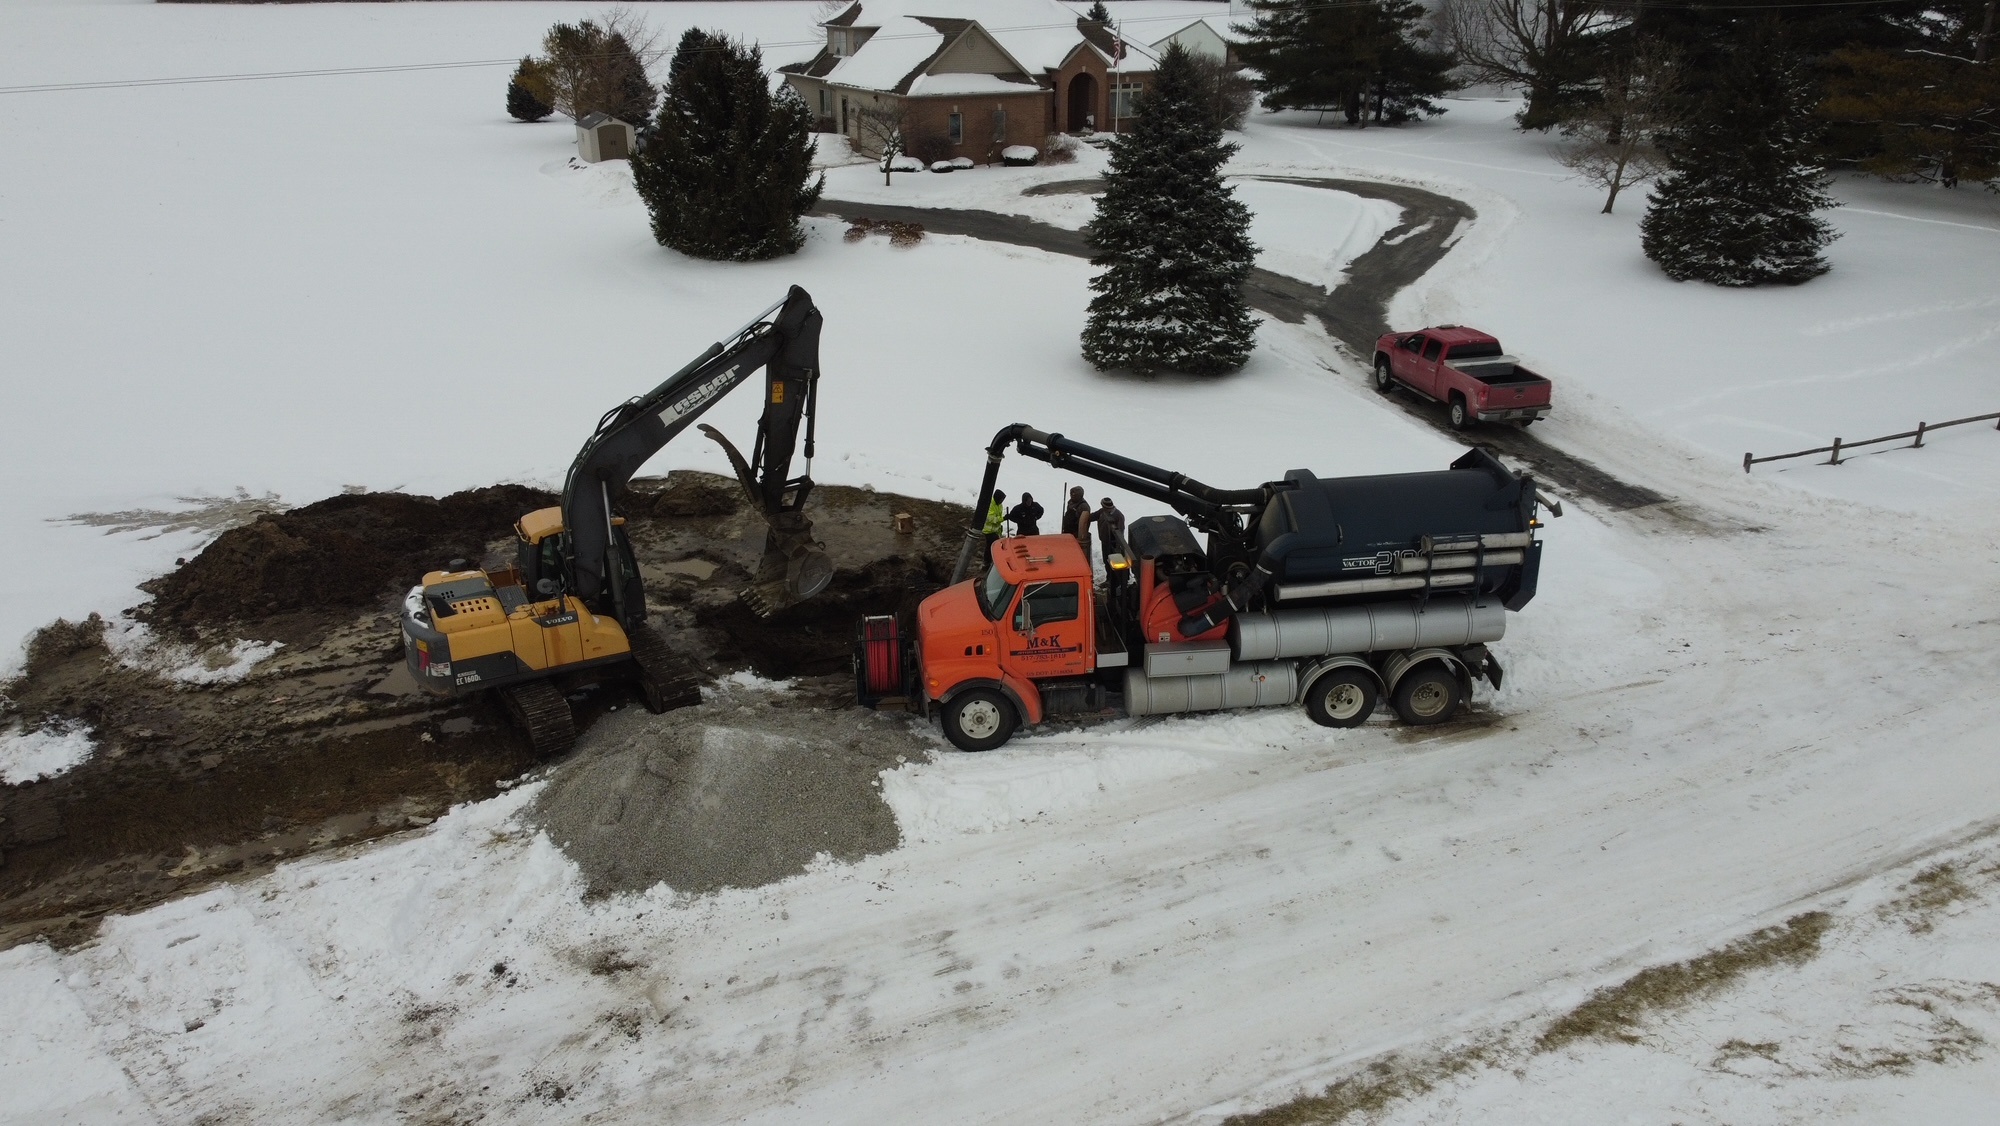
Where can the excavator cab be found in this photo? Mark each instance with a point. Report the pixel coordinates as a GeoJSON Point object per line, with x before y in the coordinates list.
{"type": "Point", "coordinates": [540, 551]}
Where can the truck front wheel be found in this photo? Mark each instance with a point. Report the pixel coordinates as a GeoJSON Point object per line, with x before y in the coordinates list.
{"type": "Point", "coordinates": [1428, 695]}
{"type": "Point", "coordinates": [1384, 381]}
{"type": "Point", "coordinates": [1460, 416]}
{"type": "Point", "coordinates": [1341, 698]}
{"type": "Point", "coordinates": [978, 719]}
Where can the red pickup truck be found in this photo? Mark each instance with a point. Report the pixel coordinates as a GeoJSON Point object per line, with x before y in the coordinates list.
{"type": "Point", "coordinates": [1466, 370]}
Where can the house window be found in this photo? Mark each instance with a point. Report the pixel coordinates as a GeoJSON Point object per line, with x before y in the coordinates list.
{"type": "Point", "coordinates": [999, 124]}
{"type": "Point", "coordinates": [957, 128]}
{"type": "Point", "coordinates": [836, 41]}
{"type": "Point", "coordinates": [1124, 99]}
{"type": "Point", "coordinates": [825, 102]}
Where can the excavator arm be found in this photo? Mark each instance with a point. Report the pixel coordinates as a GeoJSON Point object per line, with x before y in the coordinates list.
{"type": "Point", "coordinates": [783, 341]}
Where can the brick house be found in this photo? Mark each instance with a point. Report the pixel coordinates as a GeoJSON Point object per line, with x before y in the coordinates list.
{"type": "Point", "coordinates": [968, 77]}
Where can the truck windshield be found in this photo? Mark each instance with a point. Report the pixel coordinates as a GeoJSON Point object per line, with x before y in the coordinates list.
{"type": "Point", "coordinates": [995, 594]}
{"type": "Point", "coordinates": [1475, 351]}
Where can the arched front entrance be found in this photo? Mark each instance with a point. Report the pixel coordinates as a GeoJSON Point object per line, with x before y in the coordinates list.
{"type": "Point", "coordinates": [1082, 102]}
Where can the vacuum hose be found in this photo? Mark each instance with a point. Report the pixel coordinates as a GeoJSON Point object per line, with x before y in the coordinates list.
{"type": "Point", "coordinates": [1248, 587]}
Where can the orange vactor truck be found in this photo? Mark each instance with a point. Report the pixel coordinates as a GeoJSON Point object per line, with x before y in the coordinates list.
{"type": "Point", "coordinates": [1330, 593]}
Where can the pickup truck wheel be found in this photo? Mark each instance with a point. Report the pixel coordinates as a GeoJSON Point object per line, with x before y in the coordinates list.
{"type": "Point", "coordinates": [1428, 695]}
{"type": "Point", "coordinates": [1341, 698]}
{"type": "Point", "coordinates": [1384, 381]}
{"type": "Point", "coordinates": [978, 720]}
{"type": "Point", "coordinates": [1460, 417]}
{"type": "Point", "coordinates": [1527, 422]}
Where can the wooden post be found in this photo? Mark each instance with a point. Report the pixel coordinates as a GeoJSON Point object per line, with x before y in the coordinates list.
{"type": "Point", "coordinates": [1746, 461]}
{"type": "Point", "coordinates": [1919, 443]}
{"type": "Point", "coordinates": [1836, 453]}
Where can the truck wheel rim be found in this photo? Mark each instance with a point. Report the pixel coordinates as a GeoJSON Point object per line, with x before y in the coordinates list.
{"type": "Point", "coordinates": [980, 719]}
{"type": "Point", "coordinates": [1429, 699]}
{"type": "Point", "coordinates": [1343, 701]}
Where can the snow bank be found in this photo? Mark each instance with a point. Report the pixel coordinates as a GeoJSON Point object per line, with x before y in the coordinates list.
{"type": "Point", "coordinates": [1312, 233]}
{"type": "Point", "coordinates": [1027, 781]}
{"type": "Point", "coordinates": [137, 647]}
{"type": "Point", "coordinates": [55, 748]}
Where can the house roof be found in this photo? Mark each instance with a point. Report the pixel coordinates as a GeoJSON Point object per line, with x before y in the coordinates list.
{"type": "Point", "coordinates": [909, 35]}
{"type": "Point", "coordinates": [593, 120]}
{"type": "Point", "coordinates": [1220, 25]}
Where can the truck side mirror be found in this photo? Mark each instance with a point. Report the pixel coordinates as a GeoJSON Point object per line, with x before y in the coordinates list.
{"type": "Point", "coordinates": [1024, 622]}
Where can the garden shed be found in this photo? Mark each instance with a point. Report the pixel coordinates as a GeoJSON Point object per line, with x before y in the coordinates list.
{"type": "Point", "coordinates": [600, 136]}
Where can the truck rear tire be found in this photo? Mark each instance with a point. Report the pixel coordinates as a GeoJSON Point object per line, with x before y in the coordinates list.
{"type": "Point", "coordinates": [978, 719]}
{"type": "Point", "coordinates": [1341, 698]}
{"type": "Point", "coordinates": [1385, 381]}
{"type": "Point", "coordinates": [1428, 695]}
{"type": "Point", "coordinates": [1461, 417]}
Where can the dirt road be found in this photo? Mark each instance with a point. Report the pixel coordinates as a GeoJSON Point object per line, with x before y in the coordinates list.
{"type": "Point", "coordinates": [1354, 314]}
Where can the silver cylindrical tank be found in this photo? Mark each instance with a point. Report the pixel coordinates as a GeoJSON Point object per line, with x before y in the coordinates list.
{"type": "Point", "coordinates": [1372, 628]}
{"type": "Point", "coordinates": [1265, 684]}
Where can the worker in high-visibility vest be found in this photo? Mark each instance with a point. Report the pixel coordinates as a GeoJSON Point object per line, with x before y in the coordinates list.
{"type": "Point", "coordinates": [996, 520]}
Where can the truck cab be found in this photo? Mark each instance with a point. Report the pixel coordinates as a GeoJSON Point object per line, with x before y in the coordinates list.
{"type": "Point", "coordinates": [999, 643]}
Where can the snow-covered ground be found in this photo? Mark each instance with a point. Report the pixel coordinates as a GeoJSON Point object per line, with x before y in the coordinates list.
{"type": "Point", "coordinates": [1714, 718]}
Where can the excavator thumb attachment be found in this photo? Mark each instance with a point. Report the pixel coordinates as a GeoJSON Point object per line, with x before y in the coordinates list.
{"type": "Point", "coordinates": [795, 565]}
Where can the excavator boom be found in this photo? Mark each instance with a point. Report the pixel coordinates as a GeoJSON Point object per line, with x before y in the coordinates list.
{"type": "Point", "coordinates": [786, 347]}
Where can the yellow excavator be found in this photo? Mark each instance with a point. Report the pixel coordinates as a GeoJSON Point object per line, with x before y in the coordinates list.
{"type": "Point", "coordinates": [572, 608]}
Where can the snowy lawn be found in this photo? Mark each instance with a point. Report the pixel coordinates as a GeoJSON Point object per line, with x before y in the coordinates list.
{"type": "Point", "coordinates": [1902, 330]}
{"type": "Point", "coordinates": [1714, 718]}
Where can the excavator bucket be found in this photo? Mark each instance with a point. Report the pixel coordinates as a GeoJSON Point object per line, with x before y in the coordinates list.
{"type": "Point", "coordinates": [795, 565]}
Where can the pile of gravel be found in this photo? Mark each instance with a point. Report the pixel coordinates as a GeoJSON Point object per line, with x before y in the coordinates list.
{"type": "Point", "coordinates": [741, 791]}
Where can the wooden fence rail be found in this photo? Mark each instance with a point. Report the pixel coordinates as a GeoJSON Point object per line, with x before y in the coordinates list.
{"type": "Point", "coordinates": [1922, 429]}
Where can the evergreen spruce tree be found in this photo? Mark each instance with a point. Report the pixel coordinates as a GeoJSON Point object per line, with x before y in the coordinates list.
{"type": "Point", "coordinates": [729, 169]}
{"type": "Point", "coordinates": [525, 93]}
{"type": "Point", "coordinates": [1098, 13]}
{"type": "Point", "coordinates": [1737, 206]}
{"type": "Point", "coordinates": [1172, 239]}
{"type": "Point", "coordinates": [1368, 60]}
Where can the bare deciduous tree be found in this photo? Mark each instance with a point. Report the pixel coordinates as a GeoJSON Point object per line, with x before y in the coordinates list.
{"type": "Point", "coordinates": [602, 64]}
{"type": "Point", "coordinates": [881, 130]}
{"type": "Point", "coordinates": [1546, 47]}
{"type": "Point", "coordinates": [1616, 134]}
{"type": "Point", "coordinates": [1229, 93]}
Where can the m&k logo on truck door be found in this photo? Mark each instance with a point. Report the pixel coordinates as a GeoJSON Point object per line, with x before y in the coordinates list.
{"type": "Point", "coordinates": [1045, 647]}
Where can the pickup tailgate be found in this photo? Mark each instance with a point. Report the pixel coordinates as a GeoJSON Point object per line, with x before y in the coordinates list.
{"type": "Point", "coordinates": [1508, 384]}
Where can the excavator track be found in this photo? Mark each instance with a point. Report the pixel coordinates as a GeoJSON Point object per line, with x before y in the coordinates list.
{"type": "Point", "coordinates": [667, 679]}
{"type": "Point", "coordinates": [544, 714]}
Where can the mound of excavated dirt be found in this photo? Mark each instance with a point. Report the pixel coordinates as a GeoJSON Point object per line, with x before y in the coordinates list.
{"type": "Point", "coordinates": [742, 791]}
{"type": "Point", "coordinates": [816, 637]}
{"type": "Point", "coordinates": [342, 552]}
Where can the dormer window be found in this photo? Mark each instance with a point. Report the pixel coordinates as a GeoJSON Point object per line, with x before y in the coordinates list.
{"type": "Point", "coordinates": [844, 41]}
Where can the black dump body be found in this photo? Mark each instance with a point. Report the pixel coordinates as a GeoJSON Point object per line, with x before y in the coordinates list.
{"type": "Point", "coordinates": [1329, 530]}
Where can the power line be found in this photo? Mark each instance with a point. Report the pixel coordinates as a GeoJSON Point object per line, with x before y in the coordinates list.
{"type": "Point", "coordinates": [1720, 6]}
